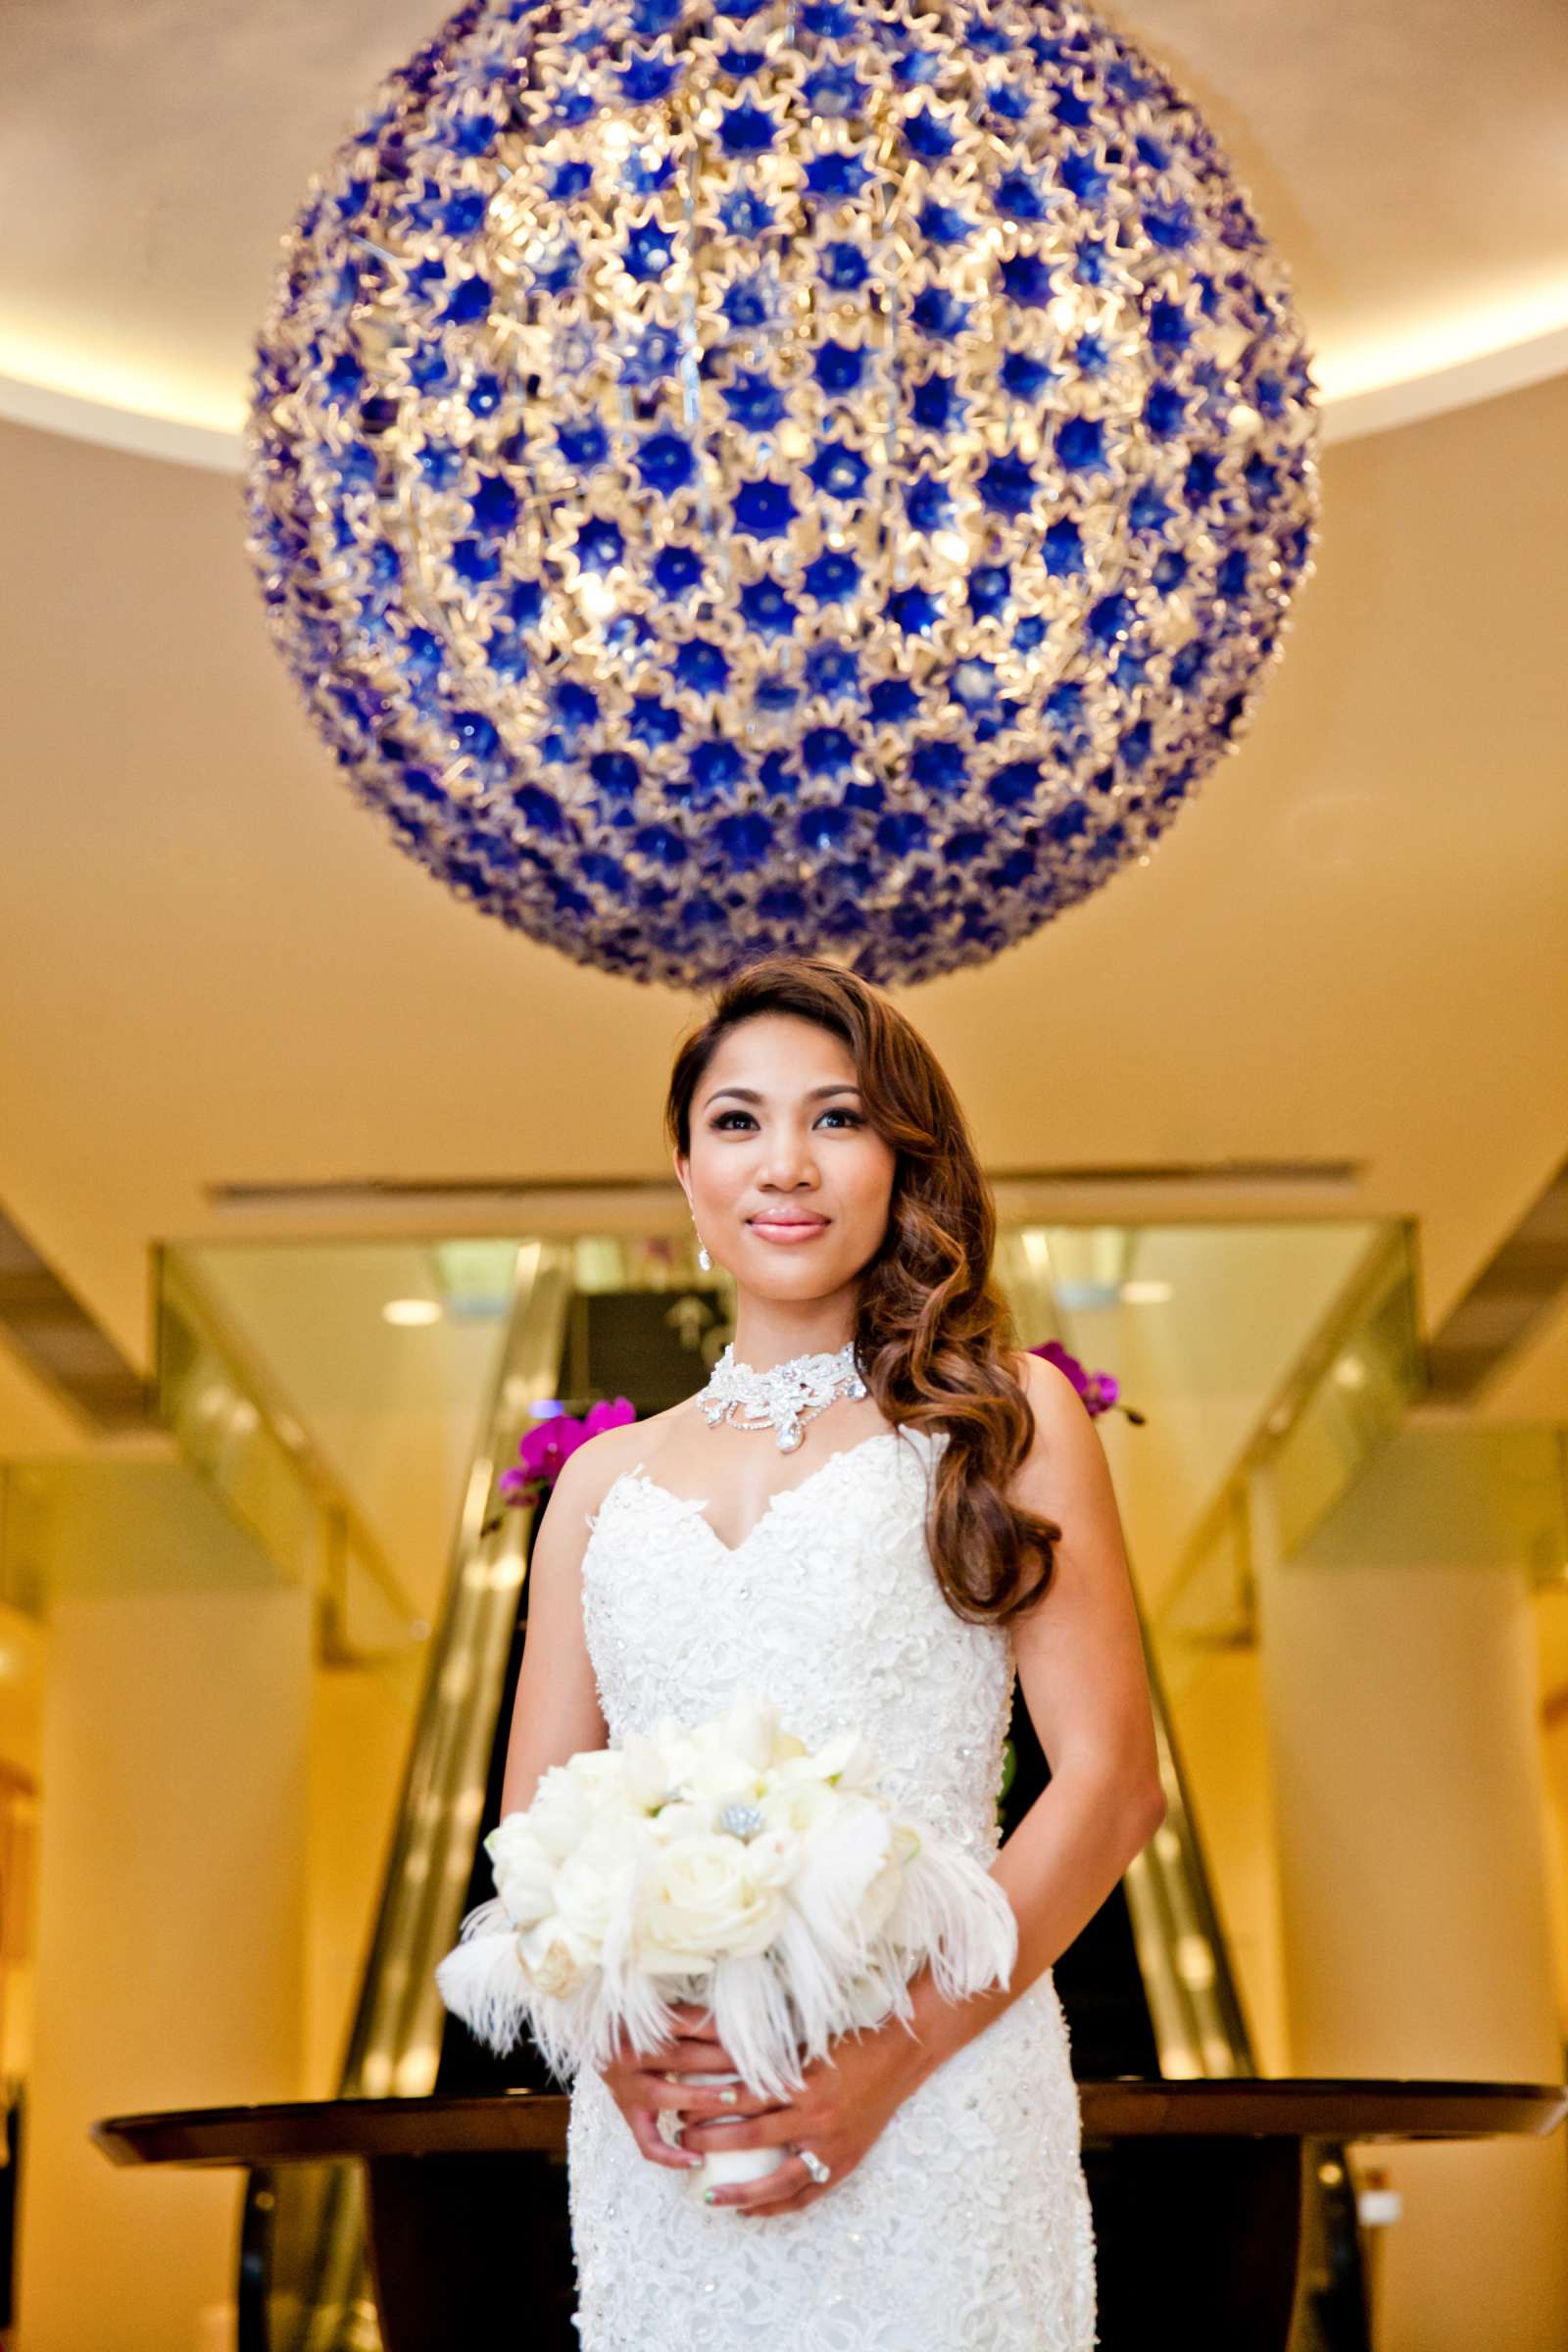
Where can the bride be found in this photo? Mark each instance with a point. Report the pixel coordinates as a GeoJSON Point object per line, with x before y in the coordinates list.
{"type": "Point", "coordinates": [879, 1513]}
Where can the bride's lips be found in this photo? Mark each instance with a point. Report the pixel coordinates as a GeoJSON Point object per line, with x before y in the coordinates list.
{"type": "Point", "coordinates": [791, 1231]}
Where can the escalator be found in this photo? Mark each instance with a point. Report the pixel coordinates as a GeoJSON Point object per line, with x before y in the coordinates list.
{"type": "Point", "coordinates": [1146, 1988]}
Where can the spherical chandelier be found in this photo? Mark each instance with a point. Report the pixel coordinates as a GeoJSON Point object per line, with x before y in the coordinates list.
{"type": "Point", "coordinates": [739, 475]}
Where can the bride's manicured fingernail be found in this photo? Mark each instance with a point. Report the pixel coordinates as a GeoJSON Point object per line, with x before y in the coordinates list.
{"type": "Point", "coordinates": [730, 2097]}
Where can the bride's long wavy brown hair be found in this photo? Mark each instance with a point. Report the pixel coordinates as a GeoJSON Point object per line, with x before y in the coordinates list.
{"type": "Point", "coordinates": [933, 1333]}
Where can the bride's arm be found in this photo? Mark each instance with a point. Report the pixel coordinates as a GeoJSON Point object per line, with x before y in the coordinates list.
{"type": "Point", "coordinates": [1080, 1667]}
{"type": "Point", "coordinates": [555, 1713]}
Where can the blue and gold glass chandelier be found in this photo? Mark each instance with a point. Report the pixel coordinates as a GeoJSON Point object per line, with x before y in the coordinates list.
{"type": "Point", "coordinates": [735, 474]}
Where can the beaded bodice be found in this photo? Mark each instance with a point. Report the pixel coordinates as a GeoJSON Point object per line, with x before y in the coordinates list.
{"type": "Point", "coordinates": [830, 1606]}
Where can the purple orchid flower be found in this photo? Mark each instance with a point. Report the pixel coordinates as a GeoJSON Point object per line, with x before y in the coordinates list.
{"type": "Point", "coordinates": [543, 1448]}
{"type": "Point", "coordinates": [1099, 1390]}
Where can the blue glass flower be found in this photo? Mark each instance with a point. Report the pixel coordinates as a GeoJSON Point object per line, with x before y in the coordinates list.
{"type": "Point", "coordinates": [929, 138]}
{"type": "Point", "coordinates": [935, 403]}
{"type": "Point", "coordinates": [892, 702]}
{"type": "Point", "coordinates": [832, 669]}
{"type": "Point", "coordinates": [914, 609]}
{"type": "Point", "coordinates": [745, 213]}
{"type": "Point", "coordinates": [831, 578]}
{"type": "Point", "coordinates": [1018, 197]}
{"type": "Point", "coordinates": [939, 312]}
{"type": "Point", "coordinates": [666, 463]}
{"type": "Point", "coordinates": [700, 666]}
{"type": "Point", "coordinates": [750, 301]}
{"type": "Point", "coordinates": [1026, 279]}
{"type": "Point", "coordinates": [990, 587]}
{"type": "Point", "coordinates": [838, 471]}
{"type": "Point", "coordinates": [715, 766]}
{"type": "Point", "coordinates": [928, 503]}
{"type": "Point", "coordinates": [838, 178]}
{"type": "Point", "coordinates": [756, 402]}
{"type": "Point", "coordinates": [647, 79]}
{"type": "Point", "coordinates": [747, 130]}
{"type": "Point", "coordinates": [1025, 375]}
{"type": "Point", "coordinates": [839, 367]}
{"type": "Point", "coordinates": [600, 544]}
{"type": "Point", "coordinates": [764, 509]}
{"type": "Point", "coordinates": [677, 571]}
{"type": "Point", "coordinates": [766, 609]}
{"type": "Point", "coordinates": [945, 224]}
{"type": "Point", "coordinates": [1007, 485]}
{"type": "Point", "coordinates": [649, 249]}
{"type": "Point", "coordinates": [827, 750]}
{"type": "Point", "coordinates": [843, 267]}
{"type": "Point", "coordinates": [583, 445]}
{"type": "Point", "coordinates": [835, 92]}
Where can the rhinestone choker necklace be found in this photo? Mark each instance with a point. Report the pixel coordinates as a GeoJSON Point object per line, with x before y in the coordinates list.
{"type": "Point", "coordinates": [784, 1395]}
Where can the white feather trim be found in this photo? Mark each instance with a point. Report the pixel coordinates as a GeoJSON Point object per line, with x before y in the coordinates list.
{"type": "Point", "coordinates": [771, 2010]}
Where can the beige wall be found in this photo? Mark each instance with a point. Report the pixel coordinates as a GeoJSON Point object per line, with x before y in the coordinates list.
{"type": "Point", "coordinates": [1401, 1673]}
{"type": "Point", "coordinates": [228, 1803]}
{"type": "Point", "coordinates": [171, 1926]}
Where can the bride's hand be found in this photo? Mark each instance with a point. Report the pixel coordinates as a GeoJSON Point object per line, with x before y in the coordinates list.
{"type": "Point", "coordinates": [842, 2107]}
{"type": "Point", "coordinates": [642, 2082]}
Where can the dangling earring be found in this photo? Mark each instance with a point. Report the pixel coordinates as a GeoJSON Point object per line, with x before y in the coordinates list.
{"type": "Point", "coordinates": [702, 1258]}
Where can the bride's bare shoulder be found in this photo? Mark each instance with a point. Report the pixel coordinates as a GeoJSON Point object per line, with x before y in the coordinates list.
{"type": "Point", "coordinates": [591, 1468]}
{"type": "Point", "coordinates": [1045, 1384]}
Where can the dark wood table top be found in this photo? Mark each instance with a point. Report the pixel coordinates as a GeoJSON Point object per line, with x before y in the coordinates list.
{"type": "Point", "coordinates": [1250, 2107]}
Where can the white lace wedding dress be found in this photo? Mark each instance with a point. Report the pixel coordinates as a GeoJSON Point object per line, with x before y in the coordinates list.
{"type": "Point", "coordinates": [966, 2226]}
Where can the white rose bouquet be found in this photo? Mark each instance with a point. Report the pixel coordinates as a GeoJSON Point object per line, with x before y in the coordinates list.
{"type": "Point", "coordinates": [728, 1865]}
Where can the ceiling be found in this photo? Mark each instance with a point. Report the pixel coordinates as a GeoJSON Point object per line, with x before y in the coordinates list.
{"type": "Point", "coordinates": [1408, 158]}
{"type": "Point", "coordinates": [1354, 946]}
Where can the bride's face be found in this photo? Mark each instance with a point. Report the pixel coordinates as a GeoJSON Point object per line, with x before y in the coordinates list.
{"type": "Point", "coordinates": [779, 1130]}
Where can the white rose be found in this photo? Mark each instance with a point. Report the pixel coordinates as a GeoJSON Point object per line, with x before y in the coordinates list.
{"type": "Point", "coordinates": [588, 1895]}
{"type": "Point", "coordinates": [565, 1807]}
{"type": "Point", "coordinates": [526, 1892]}
{"type": "Point", "coordinates": [523, 1870]}
{"type": "Point", "coordinates": [703, 1899]}
{"type": "Point", "coordinates": [549, 1957]}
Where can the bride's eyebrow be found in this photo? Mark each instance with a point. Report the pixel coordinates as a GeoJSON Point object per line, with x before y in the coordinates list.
{"type": "Point", "coordinates": [749, 1093]}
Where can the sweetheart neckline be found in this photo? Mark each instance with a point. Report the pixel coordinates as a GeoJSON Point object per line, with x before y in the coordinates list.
{"type": "Point", "coordinates": [698, 1503]}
